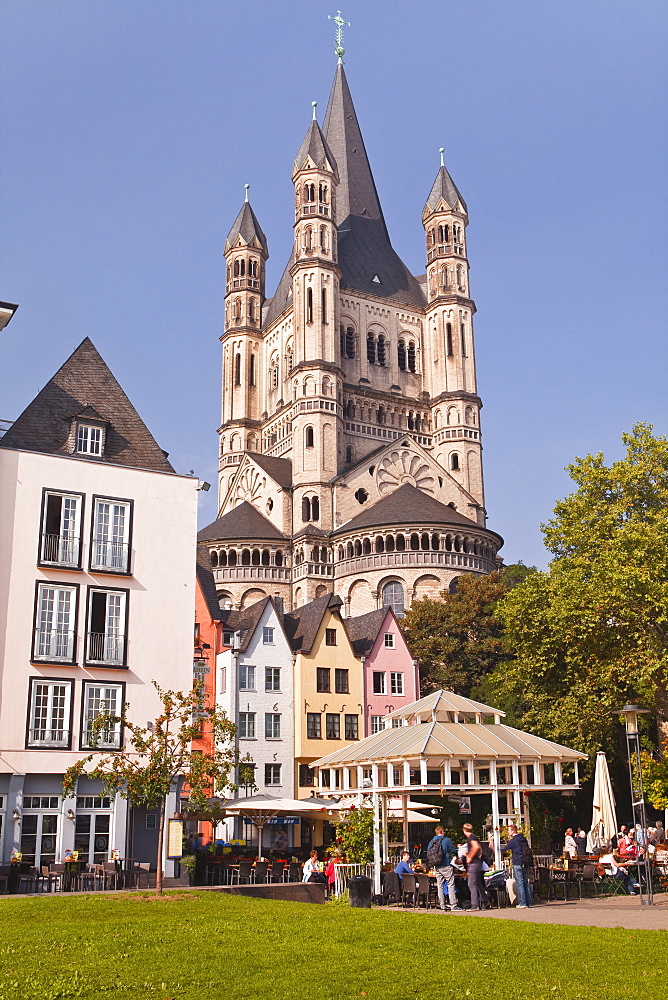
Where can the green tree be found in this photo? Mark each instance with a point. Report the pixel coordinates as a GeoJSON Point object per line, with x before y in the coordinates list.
{"type": "Point", "coordinates": [458, 639]}
{"type": "Point", "coordinates": [591, 632]}
{"type": "Point", "coordinates": [354, 837]}
{"type": "Point", "coordinates": [153, 758]}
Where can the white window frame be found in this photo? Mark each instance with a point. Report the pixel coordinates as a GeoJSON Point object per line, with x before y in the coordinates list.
{"type": "Point", "coordinates": [63, 548]}
{"type": "Point", "coordinates": [377, 724]}
{"type": "Point", "coordinates": [268, 635]}
{"type": "Point", "coordinates": [396, 683]}
{"type": "Point", "coordinates": [89, 439]}
{"type": "Point", "coordinates": [246, 677]}
{"type": "Point", "coordinates": [96, 697]}
{"type": "Point", "coordinates": [383, 685]}
{"type": "Point", "coordinates": [247, 725]}
{"type": "Point", "coordinates": [276, 768]}
{"type": "Point", "coordinates": [56, 610]}
{"type": "Point", "coordinates": [50, 712]}
{"type": "Point", "coordinates": [272, 725]}
{"type": "Point", "coordinates": [389, 640]}
{"type": "Point", "coordinates": [94, 812]}
{"type": "Point", "coordinates": [271, 675]}
{"type": "Point", "coordinates": [108, 647]}
{"type": "Point", "coordinates": [110, 535]}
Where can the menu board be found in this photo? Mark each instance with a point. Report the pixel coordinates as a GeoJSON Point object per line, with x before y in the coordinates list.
{"type": "Point", "coordinates": [175, 839]}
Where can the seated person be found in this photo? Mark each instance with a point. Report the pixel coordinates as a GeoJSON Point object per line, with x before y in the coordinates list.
{"type": "Point", "coordinates": [626, 847]}
{"type": "Point", "coordinates": [404, 868]}
{"type": "Point", "coordinates": [612, 864]}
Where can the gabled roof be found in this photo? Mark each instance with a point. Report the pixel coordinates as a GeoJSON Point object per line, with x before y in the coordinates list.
{"type": "Point", "coordinates": [444, 188]}
{"type": "Point", "coordinates": [242, 522]}
{"type": "Point", "coordinates": [246, 226]}
{"type": "Point", "coordinates": [408, 505]}
{"type": "Point", "coordinates": [245, 621]}
{"type": "Point", "coordinates": [280, 469]}
{"type": "Point", "coordinates": [207, 583]}
{"type": "Point", "coordinates": [315, 148]}
{"type": "Point", "coordinates": [363, 631]}
{"type": "Point", "coordinates": [83, 382]}
{"type": "Point", "coordinates": [440, 706]}
{"type": "Point", "coordinates": [364, 248]}
{"type": "Point", "coordinates": [301, 626]}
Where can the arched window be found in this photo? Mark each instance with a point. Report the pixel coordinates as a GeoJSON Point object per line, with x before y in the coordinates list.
{"type": "Point", "coordinates": [255, 559]}
{"type": "Point", "coordinates": [454, 462]}
{"type": "Point", "coordinates": [245, 557]}
{"type": "Point", "coordinates": [309, 192]}
{"type": "Point", "coordinates": [314, 555]}
{"type": "Point", "coordinates": [443, 234]}
{"type": "Point", "coordinates": [315, 509]}
{"type": "Point", "coordinates": [323, 305]}
{"type": "Point", "coordinates": [265, 557]}
{"type": "Point", "coordinates": [401, 356]}
{"type": "Point", "coordinates": [251, 370]}
{"type": "Point", "coordinates": [251, 311]}
{"type": "Point", "coordinates": [430, 238]}
{"type": "Point", "coordinates": [349, 550]}
{"type": "Point", "coordinates": [448, 339]}
{"type": "Point", "coordinates": [308, 238]}
{"type": "Point", "coordinates": [411, 357]}
{"type": "Point", "coordinates": [322, 193]}
{"type": "Point", "coordinates": [415, 543]}
{"type": "Point", "coordinates": [214, 559]}
{"type": "Point", "coordinates": [348, 342]}
{"type": "Point", "coordinates": [349, 454]}
{"type": "Point", "coordinates": [232, 557]}
{"type": "Point", "coordinates": [424, 541]}
{"type": "Point", "coordinates": [309, 305]}
{"type": "Point", "coordinates": [468, 415]}
{"type": "Point", "coordinates": [410, 423]}
{"type": "Point", "coordinates": [308, 437]}
{"type": "Point", "coordinates": [435, 542]}
{"type": "Point", "coordinates": [350, 409]}
{"type": "Point", "coordinates": [323, 555]}
{"type": "Point", "coordinates": [273, 371]}
{"type": "Point", "coordinates": [381, 415]}
{"type": "Point", "coordinates": [242, 267]}
{"type": "Point", "coordinates": [371, 348]}
{"type": "Point", "coordinates": [325, 386]}
{"type": "Point", "coordinates": [463, 336]}
{"type": "Point", "coordinates": [380, 544]}
{"type": "Point", "coordinates": [237, 310]}
{"type": "Point", "coordinates": [278, 559]}
{"type": "Point", "coordinates": [358, 548]}
{"type": "Point", "coordinates": [306, 509]}
{"type": "Point", "coordinates": [393, 597]}
{"type": "Point", "coordinates": [222, 558]}
{"type": "Point", "coordinates": [453, 586]}
{"type": "Point", "coordinates": [389, 543]}
{"type": "Point", "coordinates": [237, 369]}
{"type": "Point", "coordinates": [380, 352]}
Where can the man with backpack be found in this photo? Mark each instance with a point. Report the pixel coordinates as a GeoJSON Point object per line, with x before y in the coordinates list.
{"type": "Point", "coordinates": [522, 858]}
{"type": "Point", "coordinates": [440, 852]}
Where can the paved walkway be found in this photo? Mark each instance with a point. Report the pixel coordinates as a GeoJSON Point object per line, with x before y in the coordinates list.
{"type": "Point", "coordinates": [609, 911]}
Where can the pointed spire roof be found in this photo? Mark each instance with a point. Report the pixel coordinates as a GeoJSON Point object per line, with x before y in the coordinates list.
{"type": "Point", "coordinates": [248, 228]}
{"type": "Point", "coordinates": [444, 190]}
{"type": "Point", "coordinates": [84, 387]}
{"type": "Point", "coordinates": [315, 148]}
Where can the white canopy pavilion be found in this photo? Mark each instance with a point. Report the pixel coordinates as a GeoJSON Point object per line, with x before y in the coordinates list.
{"type": "Point", "coordinates": [447, 745]}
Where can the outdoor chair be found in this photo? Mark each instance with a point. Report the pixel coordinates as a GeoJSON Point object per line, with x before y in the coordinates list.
{"type": "Point", "coordinates": [408, 889]}
{"type": "Point", "coordinates": [54, 879]}
{"type": "Point", "coordinates": [422, 891]}
{"type": "Point", "coordinates": [391, 888]}
{"type": "Point", "coordinates": [261, 869]}
{"type": "Point", "coordinates": [295, 872]}
{"type": "Point", "coordinates": [558, 882]}
{"type": "Point", "coordinates": [588, 877]}
{"type": "Point", "coordinates": [110, 873]}
{"type": "Point", "coordinates": [610, 884]}
{"type": "Point", "coordinates": [33, 881]}
{"type": "Point", "coordinates": [277, 871]}
{"type": "Point", "coordinates": [139, 869]}
{"type": "Point", "coordinates": [243, 873]}
{"type": "Point", "coordinates": [57, 875]}
{"type": "Point", "coordinates": [88, 880]}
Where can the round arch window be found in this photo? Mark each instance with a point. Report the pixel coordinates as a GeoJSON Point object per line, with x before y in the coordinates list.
{"type": "Point", "coordinates": [393, 597]}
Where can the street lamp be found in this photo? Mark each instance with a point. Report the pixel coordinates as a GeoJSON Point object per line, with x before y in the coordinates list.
{"type": "Point", "coordinates": [630, 714]}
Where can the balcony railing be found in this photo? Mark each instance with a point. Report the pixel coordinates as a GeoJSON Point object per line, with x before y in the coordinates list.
{"type": "Point", "coordinates": [107, 649]}
{"type": "Point", "coordinates": [110, 556]}
{"type": "Point", "coordinates": [49, 737]}
{"type": "Point", "coordinates": [445, 250]}
{"type": "Point", "coordinates": [53, 644]}
{"type": "Point", "coordinates": [60, 550]}
{"type": "Point", "coordinates": [105, 740]}
{"type": "Point", "coordinates": [252, 573]}
{"type": "Point", "coordinates": [384, 560]}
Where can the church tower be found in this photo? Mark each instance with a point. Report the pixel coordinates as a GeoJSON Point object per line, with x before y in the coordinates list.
{"type": "Point", "coordinates": [350, 449]}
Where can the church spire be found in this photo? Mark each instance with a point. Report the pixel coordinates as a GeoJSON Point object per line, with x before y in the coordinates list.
{"type": "Point", "coordinates": [248, 228]}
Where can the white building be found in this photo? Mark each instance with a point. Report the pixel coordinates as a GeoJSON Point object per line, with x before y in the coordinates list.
{"type": "Point", "coordinates": [97, 550]}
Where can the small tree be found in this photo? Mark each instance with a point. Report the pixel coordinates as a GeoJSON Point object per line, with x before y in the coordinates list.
{"type": "Point", "coordinates": [354, 837]}
{"type": "Point", "coordinates": [144, 770]}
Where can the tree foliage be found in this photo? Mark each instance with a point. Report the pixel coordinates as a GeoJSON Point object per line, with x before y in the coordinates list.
{"type": "Point", "coordinates": [354, 837]}
{"type": "Point", "coordinates": [592, 632]}
{"type": "Point", "coordinates": [458, 639]}
{"type": "Point", "coordinates": [154, 757]}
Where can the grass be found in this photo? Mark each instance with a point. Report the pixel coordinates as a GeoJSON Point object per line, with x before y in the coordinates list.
{"type": "Point", "coordinates": [187, 946]}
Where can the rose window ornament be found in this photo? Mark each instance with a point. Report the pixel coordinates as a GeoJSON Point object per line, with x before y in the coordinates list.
{"type": "Point", "coordinates": [400, 467]}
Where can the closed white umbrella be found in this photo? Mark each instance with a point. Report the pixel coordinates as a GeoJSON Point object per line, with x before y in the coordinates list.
{"type": "Point", "coordinates": [604, 817]}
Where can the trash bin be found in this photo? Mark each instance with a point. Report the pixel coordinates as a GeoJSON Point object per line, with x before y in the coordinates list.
{"type": "Point", "coordinates": [359, 891]}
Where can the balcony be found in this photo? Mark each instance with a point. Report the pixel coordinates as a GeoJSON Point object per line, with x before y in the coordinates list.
{"type": "Point", "coordinates": [445, 250]}
{"type": "Point", "coordinates": [105, 740]}
{"type": "Point", "coordinates": [107, 650]}
{"type": "Point", "coordinates": [49, 737]}
{"type": "Point", "coordinates": [231, 573]}
{"type": "Point", "coordinates": [413, 559]}
{"type": "Point", "coordinates": [312, 569]}
{"type": "Point", "coordinates": [53, 644]}
{"type": "Point", "coordinates": [110, 557]}
{"type": "Point", "coordinates": [60, 550]}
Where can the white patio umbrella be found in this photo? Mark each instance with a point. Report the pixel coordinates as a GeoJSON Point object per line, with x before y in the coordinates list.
{"type": "Point", "coordinates": [261, 808]}
{"type": "Point", "coordinates": [604, 818]}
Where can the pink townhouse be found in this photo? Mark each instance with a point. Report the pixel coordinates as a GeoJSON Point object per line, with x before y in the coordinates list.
{"type": "Point", "coordinates": [391, 677]}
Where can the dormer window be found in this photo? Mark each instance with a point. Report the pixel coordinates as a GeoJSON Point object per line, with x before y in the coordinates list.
{"type": "Point", "coordinates": [89, 439]}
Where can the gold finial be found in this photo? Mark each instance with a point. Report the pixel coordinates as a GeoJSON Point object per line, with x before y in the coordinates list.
{"type": "Point", "coordinates": [246, 187]}
{"type": "Point", "coordinates": [441, 151]}
{"type": "Point", "coordinates": [339, 22]}
{"type": "Point", "coordinates": [314, 105]}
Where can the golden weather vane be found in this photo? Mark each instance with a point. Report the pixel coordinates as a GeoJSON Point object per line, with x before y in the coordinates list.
{"type": "Point", "coordinates": [339, 22]}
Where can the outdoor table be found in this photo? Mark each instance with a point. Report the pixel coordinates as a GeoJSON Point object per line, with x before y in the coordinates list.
{"type": "Point", "coordinates": [17, 868]}
{"type": "Point", "coordinates": [124, 871]}
{"type": "Point", "coordinates": [71, 869]}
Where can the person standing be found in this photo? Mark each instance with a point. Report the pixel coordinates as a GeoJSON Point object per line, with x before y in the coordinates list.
{"type": "Point", "coordinates": [581, 842]}
{"type": "Point", "coordinates": [520, 850]}
{"type": "Point", "coordinates": [440, 852]}
{"type": "Point", "coordinates": [570, 847]}
{"type": "Point", "coordinates": [474, 861]}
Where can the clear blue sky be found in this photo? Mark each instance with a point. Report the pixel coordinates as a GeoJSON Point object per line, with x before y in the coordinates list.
{"type": "Point", "coordinates": [129, 128]}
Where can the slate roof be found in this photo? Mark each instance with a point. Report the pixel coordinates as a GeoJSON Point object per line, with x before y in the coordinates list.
{"type": "Point", "coordinates": [84, 384]}
{"type": "Point", "coordinates": [245, 621]}
{"type": "Point", "coordinates": [243, 523]}
{"type": "Point", "coordinates": [301, 626]}
{"type": "Point", "coordinates": [314, 147]}
{"type": "Point", "coordinates": [207, 583]}
{"type": "Point", "coordinates": [407, 505]}
{"type": "Point", "coordinates": [363, 631]}
{"type": "Point", "coordinates": [444, 187]}
{"type": "Point", "coordinates": [246, 226]}
{"type": "Point", "coordinates": [280, 469]}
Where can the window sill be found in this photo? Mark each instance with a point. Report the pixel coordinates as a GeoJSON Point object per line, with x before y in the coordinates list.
{"type": "Point", "coordinates": [109, 571]}
{"type": "Point", "coordinates": [60, 566]}
{"type": "Point", "coordinates": [274, 739]}
{"type": "Point", "coordinates": [97, 665]}
{"type": "Point", "coordinates": [39, 662]}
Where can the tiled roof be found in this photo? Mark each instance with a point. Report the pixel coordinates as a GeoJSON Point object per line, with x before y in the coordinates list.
{"type": "Point", "coordinates": [280, 469]}
{"type": "Point", "coordinates": [407, 505]}
{"type": "Point", "coordinates": [363, 631]}
{"type": "Point", "coordinates": [242, 523]}
{"type": "Point", "coordinates": [444, 187]}
{"type": "Point", "coordinates": [245, 621]}
{"type": "Point", "coordinates": [207, 583]}
{"type": "Point", "coordinates": [301, 626]}
{"type": "Point", "coordinates": [84, 382]}
{"type": "Point", "coordinates": [246, 226]}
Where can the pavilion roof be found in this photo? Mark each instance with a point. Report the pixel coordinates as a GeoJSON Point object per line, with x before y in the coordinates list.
{"type": "Point", "coordinates": [439, 707]}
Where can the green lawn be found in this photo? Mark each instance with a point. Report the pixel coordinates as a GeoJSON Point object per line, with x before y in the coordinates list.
{"type": "Point", "coordinates": [209, 946]}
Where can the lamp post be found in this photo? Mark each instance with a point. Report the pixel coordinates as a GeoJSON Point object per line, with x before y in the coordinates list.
{"type": "Point", "coordinates": [630, 714]}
